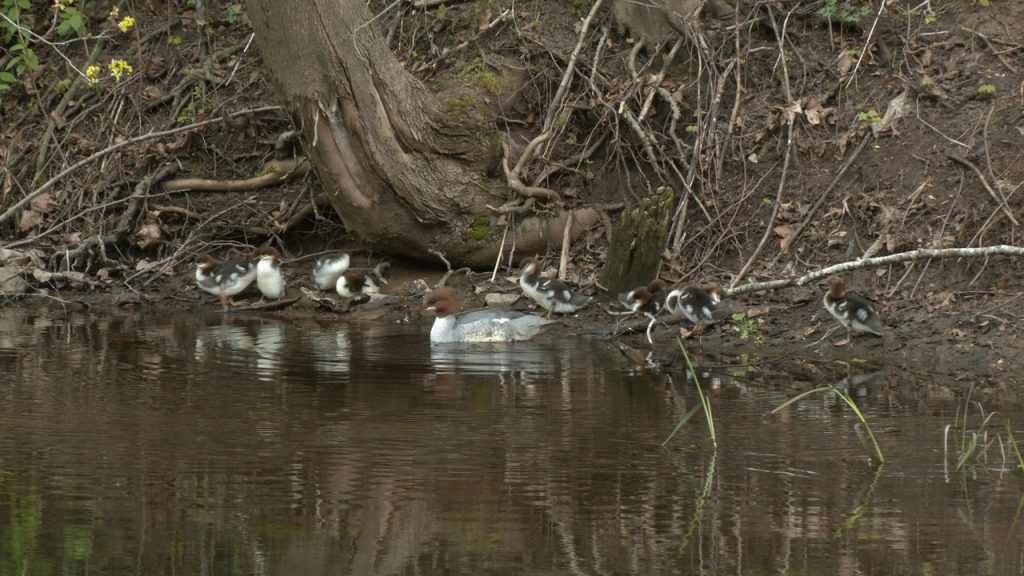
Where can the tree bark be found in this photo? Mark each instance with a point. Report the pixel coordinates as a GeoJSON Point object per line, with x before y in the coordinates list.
{"type": "Point", "coordinates": [405, 170]}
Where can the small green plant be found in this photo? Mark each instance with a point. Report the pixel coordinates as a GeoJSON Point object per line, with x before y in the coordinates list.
{"type": "Point", "coordinates": [459, 107]}
{"type": "Point", "coordinates": [748, 328]}
{"type": "Point", "coordinates": [708, 416]}
{"type": "Point", "coordinates": [692, 129]}
{"type": "Point", "coordinates": [929, 17]}
{"type": "Point", "coordinates": [477, 74]}
{"type": "Point", "coordinates": [869, 117]}
{"type": "Point", "coordinates": [194, 107]}
{"type": "Point", "coordinates": [234, 13]}
{"type": "Point", "coordinates": [869, 444]}
{"type": "Point", "coordinates": [987, 90]}
{"type": "Point", "coordinates": [844, 12]}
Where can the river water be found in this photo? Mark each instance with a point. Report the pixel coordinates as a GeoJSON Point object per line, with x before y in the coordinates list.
{"type": "Point", "coordinates": [148, 443]}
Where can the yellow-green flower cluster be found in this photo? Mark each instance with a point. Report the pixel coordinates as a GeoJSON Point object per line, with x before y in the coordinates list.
{"type": "Point", "coordinates": [119, 68]}
{"type": "Point", "coordinates": [126, 24]}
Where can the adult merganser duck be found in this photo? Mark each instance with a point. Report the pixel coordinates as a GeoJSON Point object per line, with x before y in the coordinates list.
{"type": "Point", "coordinates": [550, 294]}
{"type": "Point", "coordinates": [696, 304]}
{"type": "Point", "coordinates": [648, 299]}
{"type": "Point", "coordinates": [852, 310]}
{"type": "Point", "coordinates": [269, 278]}
{"type": "Point", "coordinates": [479, 325]}
{"type": "Point", "coordinates": [225, 280]}
{"type": "Point", "coordinates": [326, 271]}
{"type": "Point", "coordinates": [354, 284]}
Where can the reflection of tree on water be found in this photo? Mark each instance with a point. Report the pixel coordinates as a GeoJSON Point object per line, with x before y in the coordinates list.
{"type": "Point", "coordinates": [147, 444]}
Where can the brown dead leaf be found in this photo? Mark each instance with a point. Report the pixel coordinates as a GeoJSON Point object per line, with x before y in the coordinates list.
{"type": "Point", "coordinates": [792, 110]}
{"type": "Point", "coordinates": [958, 333]}
{"type": "Point", "coordinates": [144, 264]}
{"type": "Point", "coordinates": [43, 204]}
{"type": "Point", "coordinates": [1002, 364]}
{"type": "Point", "coordinates": [755, 311]}
{"type": "Point", "coordinates": [1002, 283]}
{"type": "Point", "coordinates": [846, 62]}
{"type": "Point", "coordinates": [29, 220]}
{"type": "Point", "coordinates": [786, 235]}
{"type": "Point", "coordinates": [148, 235]}
{"type": "Point", "coordinates": [809, 330]}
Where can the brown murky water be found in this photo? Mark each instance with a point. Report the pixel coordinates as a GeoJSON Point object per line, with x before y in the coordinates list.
{"type": "Point", "coordinates": [189, 444]}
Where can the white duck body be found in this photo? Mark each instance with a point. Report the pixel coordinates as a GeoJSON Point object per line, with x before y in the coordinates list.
{"type": "Point", "coordinates": [269, 278]}
{"type": "Point", "coordinates": [327, 271]}
{"type": "Point", "coordinates": [479, 325]}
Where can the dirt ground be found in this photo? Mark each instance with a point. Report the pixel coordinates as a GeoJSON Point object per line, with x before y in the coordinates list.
{"type": "Point", "coordinates": [930, 179]}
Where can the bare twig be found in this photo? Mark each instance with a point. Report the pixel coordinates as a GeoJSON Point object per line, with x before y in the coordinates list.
{"type": "Point", "coordinates": [813, 212]}
{"type": "Point", "coordinates": [49, 183]}
{"type": "Point", "coordinates": [995, 196]}
{"type": "Point", "coordinates": [790, 119]}
{"type": "Point", "coordinates": [570, 68]}
{"type": "Point", "coordinates": [563, 262]}
{"type": "Point", "coordinates": [922, 254]}
{"type": "Point", "coordinates": [515, 175]}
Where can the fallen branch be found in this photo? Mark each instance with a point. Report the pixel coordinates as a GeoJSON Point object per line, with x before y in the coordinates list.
{"type": "Point", "coordinates": [274, 172]}
{"type": "Point", "coordinates": [922, 254]}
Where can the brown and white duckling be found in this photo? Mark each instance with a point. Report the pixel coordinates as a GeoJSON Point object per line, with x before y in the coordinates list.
{"type": "Point", "coordinates": [269, 278]}
{"type": "Point", "coordinates": [326, 271]}
{"type": "Point", "coordinates": [360, 285]}
{"type": "Point", "coordinates": [225, 280]}
{"type": "Point", "coordinates": [648, 299]}
{"type": "Point", "coordinates": [696, 304]}
{"type": "Point", "coordinates": [852, 310]}
{"type": "Point", "coordinates": [552, 295]}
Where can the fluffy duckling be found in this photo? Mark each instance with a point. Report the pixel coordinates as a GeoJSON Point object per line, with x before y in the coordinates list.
{"type": "Point", "coordinates": [486, 325]}
{"type": "Point", "coordinates": [648, 299]}
{"type": "Point", "coordinates": [550, 294]}
{"type": "Point", "coordinates": [269, 278]}
{"type": "Point", "coordinates": [225, 280]}
{"type": "Point", "coordinates": [696, 304]}
{"type": "Point", "coordinates": [353, 284]}
{"type": "Point", "coordinates": [852, 310]}
{"type": "Point", "coordinates": [326, 271]}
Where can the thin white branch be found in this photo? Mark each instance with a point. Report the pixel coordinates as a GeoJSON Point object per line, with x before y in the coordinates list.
{"type": "Point", "coordinates": [922, 254]}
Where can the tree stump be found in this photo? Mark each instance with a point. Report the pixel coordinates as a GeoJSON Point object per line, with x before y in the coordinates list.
{"type": "Point", "coordinates": [638, 239]}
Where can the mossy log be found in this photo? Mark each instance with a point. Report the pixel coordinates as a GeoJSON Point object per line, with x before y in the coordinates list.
{"type": "Point", "coordinates": [638, 239]}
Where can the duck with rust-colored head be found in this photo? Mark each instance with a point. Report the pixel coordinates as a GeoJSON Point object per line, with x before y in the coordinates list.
{"type": "Point", "coordinates": [853, 311]}
{"type": "Point", "coordinates": [552, 295]}
{"type": "Point", "coordinates": [479, 325]}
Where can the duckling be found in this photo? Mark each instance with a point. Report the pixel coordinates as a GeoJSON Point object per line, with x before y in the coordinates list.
{"type": "Point", "coordinates": [852, 310]}
{"type": "Point", "coordinates": [225, 280]}
{"type": "Point", "coordinates": [362, 285]}
{"type": "Point", "coordinates": [269, 278]}
{"type": "Point", "coordinates": [326, 271]}
{"type": "Point", "coordinates": [552, 295]}
{"type": "Point", "coordinates": [648, 299]}
{"type": "Point", "coordinates": [696, 304]}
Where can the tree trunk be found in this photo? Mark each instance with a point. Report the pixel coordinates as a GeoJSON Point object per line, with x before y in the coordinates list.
{"type": "Point", "coordinates": [405, 172]}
